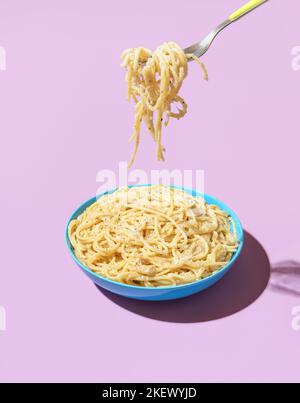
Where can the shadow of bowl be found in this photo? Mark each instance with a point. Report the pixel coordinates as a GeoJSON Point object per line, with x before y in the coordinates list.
{"type": "Point", "coordinates": [239, 288]}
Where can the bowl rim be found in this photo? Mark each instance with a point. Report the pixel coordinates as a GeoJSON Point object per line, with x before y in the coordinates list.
{"type": "Point", "coordinates": [193, 192]}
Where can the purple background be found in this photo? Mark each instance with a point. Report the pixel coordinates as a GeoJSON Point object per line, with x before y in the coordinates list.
{"type": "Point", "coordinates": [64, 117]}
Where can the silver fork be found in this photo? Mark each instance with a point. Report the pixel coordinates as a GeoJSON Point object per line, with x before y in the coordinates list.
{"type": "Point", "coordinates": [199, 48]}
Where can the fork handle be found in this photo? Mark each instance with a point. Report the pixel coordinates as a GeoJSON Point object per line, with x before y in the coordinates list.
{"type": "Point", "coordinates": [246, 8]}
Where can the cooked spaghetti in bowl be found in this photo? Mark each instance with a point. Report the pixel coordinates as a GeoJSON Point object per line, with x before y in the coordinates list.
{"type": "Point", "coordinates": [154, 237]}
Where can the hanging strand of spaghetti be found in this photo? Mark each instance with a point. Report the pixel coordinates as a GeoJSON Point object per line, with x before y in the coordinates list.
{"type": "Point", "coordinates": [154, 80]}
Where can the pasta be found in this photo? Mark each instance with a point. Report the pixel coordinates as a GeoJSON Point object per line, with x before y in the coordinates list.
{"type": "Point", "coordinates": [154, 80]}
{"type": "Point", "coordinates": [153, 236]}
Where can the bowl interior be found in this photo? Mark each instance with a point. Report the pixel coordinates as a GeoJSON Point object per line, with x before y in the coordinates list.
{"type": "Point", "coordinates": [193, 192]}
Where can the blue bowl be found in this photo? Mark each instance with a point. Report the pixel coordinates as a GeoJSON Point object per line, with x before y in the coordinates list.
{"type": "Point", "coordinates": [165, 292]}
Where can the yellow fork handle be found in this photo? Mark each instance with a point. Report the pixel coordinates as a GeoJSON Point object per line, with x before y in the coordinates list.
{"type": "Point", "coordinates": [245, 9]}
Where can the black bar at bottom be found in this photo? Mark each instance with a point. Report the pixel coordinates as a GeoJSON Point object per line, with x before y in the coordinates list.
{"type": "Point", "coordinates": [101, 392]}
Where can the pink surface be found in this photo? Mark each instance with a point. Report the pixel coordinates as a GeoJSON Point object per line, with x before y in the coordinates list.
{"type": "Point", "coordinates": [64, 117]}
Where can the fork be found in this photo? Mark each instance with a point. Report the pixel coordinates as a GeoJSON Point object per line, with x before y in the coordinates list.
{"type": "Point", "coordinates": [199, 48]}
